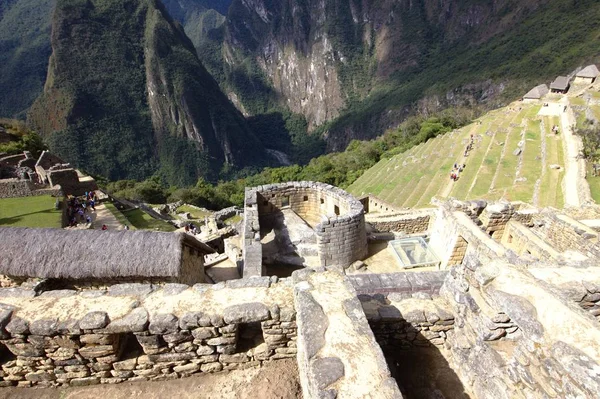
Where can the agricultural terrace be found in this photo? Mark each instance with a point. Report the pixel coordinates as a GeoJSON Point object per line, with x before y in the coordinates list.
{"type": "Point", "coordinates": [492, 171]}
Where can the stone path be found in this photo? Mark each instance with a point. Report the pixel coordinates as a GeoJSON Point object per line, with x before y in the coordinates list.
{"type": "Point", "coordinates": [104, 216]}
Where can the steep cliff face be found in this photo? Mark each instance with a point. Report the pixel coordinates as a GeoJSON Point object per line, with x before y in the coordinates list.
{"type": "Point", "coordinates": [24, 53]}
{"type": "Point", "coordinates": [126, 96]}
{"type": "Point", "coordinates": [322, 56]}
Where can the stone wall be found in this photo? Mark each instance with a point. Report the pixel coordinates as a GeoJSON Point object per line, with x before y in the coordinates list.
{"type": "Point", "coordinates": [338, 355]}
{"type": "Point", "coordinates": [523, 241]}
{"type": "Point", "coordinates": [14, 188]}
{"type": "Point", "coordinates": [514, 337]}
{"type": "Point", "coordinates": [139, 333]}
{"type": "Point", "coordinates": [70, 183]}
{"type": "Point", "coordinates": [336, 217]}
{"type": "Point", "coordinates": [413, 223]}
{"type": "Point", "coordinates": [401, 284]}
{"type": "Point", "coordinates": [401, 323]}
{"type": "Point", "coordinates": [372, 204]}
{"type": "Point", "coordinates": [564, 233]}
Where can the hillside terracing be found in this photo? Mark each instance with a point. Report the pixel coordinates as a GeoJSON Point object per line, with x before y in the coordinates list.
{"type": "Point", "coordinates": [515, 156]}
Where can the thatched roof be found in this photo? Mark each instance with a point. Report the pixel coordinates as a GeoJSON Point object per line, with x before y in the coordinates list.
{"type": "Point", "coordinates": [537, 92]}
{"type": "Point", "coordinates": [590, 71]}
{"type": "Point", "coordinates": [92, 254]}
{"type": "Point", "coordinates": [560, 83]}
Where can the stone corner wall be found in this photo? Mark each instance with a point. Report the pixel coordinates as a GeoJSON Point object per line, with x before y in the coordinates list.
{"type": "Point", "coordinates": [327, 307]}
{"type": "Point", "coordinates": [337, 217]}
{"type": "Point", "coordinates": [251, 265]}
{"type": "Point", "coordinates": [141, 344]}
{"type": "Point", "coordinates": [506, 344]}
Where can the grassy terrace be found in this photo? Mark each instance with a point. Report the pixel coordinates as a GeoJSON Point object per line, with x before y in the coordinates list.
{"type": "Point", "coordinates": [30, 212]}
{"type": "Point", "coordinates": [136, 219]}
{"type": "Point", "coordinates": [492, 171]}
{"type": "Point", "coordinates": [196, 213]}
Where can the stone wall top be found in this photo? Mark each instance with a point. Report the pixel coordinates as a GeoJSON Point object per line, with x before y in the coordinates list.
{"type": "Point", "coordinates": [331, 327]}
{"type": "Point", "coordinates": [129, 307]}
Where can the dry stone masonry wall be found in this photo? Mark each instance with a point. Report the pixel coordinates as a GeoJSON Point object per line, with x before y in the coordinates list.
{"type": "Point", "coordinates": [147, 335]}
{"type": "Point", "coordinates": [336, 216]}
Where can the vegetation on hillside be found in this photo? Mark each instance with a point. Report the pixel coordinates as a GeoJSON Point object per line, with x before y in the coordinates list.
{"type": "Point", "coordinates": [16, 137]}
{"type": "Point", "coordinates": [24, 53]}
{"type": "Point", "coordinates": [339, 169]}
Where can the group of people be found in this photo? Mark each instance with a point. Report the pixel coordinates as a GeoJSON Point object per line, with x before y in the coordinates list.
{"type": "Point", "coordinates": [191, 228]}
{"type": "Point", "coordinates": [456, 171]}
{"type": "Point", "coordinates": [80, 209]}
{"type": "Point", "coordinates": [469, 146]}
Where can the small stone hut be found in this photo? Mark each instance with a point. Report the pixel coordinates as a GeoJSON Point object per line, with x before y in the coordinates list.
{"type": "Point", "coordinates": [560, 85]}
{"type": "Point", "coordinates": [587, 75]}
{"type": "Point", "coordinates": [96, 258]}
{"type": "Point", "coordinates": [536, 93]}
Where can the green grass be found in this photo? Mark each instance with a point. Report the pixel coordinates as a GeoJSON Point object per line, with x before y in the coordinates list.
{"type": "Point", "coordinates": [234, 219]}
{"type": "Point", "coordinates": [119, 215]}
{"type": "Point", "coordinates": [143, 221]}
{"type": "Point", "coordinates": [30, 212]}
{"type": "Point", "coordinates": [137, 219]}
{"type": "Point", "coordinates": [491, 160]}
{"type": "Point", "coordinates": [196, 213]}
{"type": "Point", "coordinates": [594, 183]}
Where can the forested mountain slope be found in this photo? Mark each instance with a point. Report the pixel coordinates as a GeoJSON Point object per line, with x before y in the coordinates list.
{"type": "Point", "coordinates": [126, 95]}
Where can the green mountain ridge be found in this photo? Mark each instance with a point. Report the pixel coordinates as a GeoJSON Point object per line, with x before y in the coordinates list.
{"type": "Point", "coordinates": [126, 96]}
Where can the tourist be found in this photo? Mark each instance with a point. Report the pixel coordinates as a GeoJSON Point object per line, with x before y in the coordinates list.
{"type": "Point", "coordinates": [104, 227]}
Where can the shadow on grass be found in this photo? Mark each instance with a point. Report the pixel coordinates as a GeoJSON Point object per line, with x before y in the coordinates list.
{"type": "Point", "coordinates": [27, 219]}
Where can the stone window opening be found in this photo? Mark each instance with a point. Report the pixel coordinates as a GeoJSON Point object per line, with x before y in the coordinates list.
{"type": "Point", "coordinates": [322, 201]}
{"type": "Point", "coordinates": [6, 355]}
{"type": "Point", "coordinates": [250, 336]}
{"type": "Point", "coordinates": [305, 198]}
{"type": "Point", "coordinates": [510, 238]}
{"type": "Point", "coordinates": [130, 347]}
{"type": "Point", "coordinates": [285, 201]}
{"type": "Point", "coordinates": [336, 210]}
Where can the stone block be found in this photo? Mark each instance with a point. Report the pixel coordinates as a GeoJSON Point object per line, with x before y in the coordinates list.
{"type": "Point", "coordinates": [134, 289]}
{"type": "Point", "coordinates": [204, 332]}
{"type": "Point", "coordinates": [211, 367]}
{"type": "Point", "coordinates": [80, 382]}
{"type": "Point", "coordinates": [163, 324]}
{"type": "Point", "coordinates": [135, 321]}
{"type": "Point", "coordinates": [39, 376]}
{"type": "Point", "coordinates": [235, 358]}
{"type": "Point", "coordinates": [91, 352]}
{"type": "Point", "coordinates": [17, 326]}
{"type": "Point", "coordinates": [46, 327]}
{"type": "Point", "coordinates": [193, 320]}
{"type": "Point", "coordinates": [94, 320]}
{"type": "Point", "coordinates": [125, 365]}
{"type": "Point", "coordinates": [246, 313]}
{"type": "Point", "coordinates": [187, 368]}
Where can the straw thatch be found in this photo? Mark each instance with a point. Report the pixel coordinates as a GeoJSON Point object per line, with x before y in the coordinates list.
{"type": "Point", "coordinates": [589, 72]}
{"type": "Point", "coordinates": [561, 83]}
{"type": "Point", "coordinates": [93, 254]}
{"type": "Point", "coordinates": [537, 92]}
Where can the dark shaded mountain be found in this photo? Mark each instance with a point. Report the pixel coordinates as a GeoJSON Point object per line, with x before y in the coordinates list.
{"type": "Point", "coordinates": [24, 52]}
{"type": "Point", "coordinates": [358, 67]}
{"type": "Point", "coordinates": [126, 96]}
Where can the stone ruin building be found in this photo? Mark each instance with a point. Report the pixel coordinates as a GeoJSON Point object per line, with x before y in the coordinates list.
{"type": "Point", "coordinates": [23, 176]}
{"type": "Point", "coordinates": [509, 306]}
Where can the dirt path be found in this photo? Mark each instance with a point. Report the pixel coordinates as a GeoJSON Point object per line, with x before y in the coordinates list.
{"type": "Point", "coordinates": [574, 180]}
{"type": "Point", "coordinates": [105, 216]}
{"type": "Point", "coordinates": [276, 380]}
